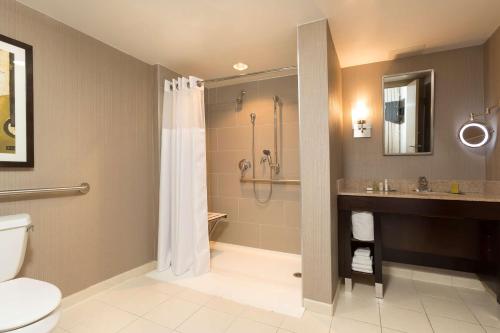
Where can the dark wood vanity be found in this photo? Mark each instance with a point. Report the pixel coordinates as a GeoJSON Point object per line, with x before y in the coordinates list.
{"type": "Point", "coordinates": [448, 231]}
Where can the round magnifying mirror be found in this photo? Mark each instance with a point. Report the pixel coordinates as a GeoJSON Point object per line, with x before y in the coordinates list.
{"type": "Point", "coordinates": [474, 134]}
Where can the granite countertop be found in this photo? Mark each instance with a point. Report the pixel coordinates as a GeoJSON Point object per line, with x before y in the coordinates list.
{"type": "Point", "coordinates": [424, 195]}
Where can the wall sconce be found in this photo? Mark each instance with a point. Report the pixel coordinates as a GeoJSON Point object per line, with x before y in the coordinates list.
{"type": "Point", "coordinates": [360, 126]}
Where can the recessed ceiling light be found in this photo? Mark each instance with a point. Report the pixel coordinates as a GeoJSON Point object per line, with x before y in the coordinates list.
{"type": "Point", "coordinates": [240, 66]}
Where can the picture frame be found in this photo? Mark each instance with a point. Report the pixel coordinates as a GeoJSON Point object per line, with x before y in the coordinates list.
{"type": "Point", "coordinates": [16, 104]}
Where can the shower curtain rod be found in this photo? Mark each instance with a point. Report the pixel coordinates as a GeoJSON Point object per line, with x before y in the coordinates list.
{"type": "Point", "coordinates": [274, 70]}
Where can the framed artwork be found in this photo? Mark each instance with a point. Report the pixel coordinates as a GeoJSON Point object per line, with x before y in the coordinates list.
{"type": "Point", "coordinates": [16, 104]}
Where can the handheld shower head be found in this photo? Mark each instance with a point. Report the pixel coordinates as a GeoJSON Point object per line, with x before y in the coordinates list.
{"type": "Point", "coordinates": [266, 152]}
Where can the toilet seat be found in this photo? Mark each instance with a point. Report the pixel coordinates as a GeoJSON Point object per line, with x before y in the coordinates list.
{"type": "Point", "coordinates": [26, 301]}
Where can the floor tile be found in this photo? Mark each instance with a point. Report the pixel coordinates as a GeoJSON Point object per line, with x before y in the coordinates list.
{"type": "Point", "coordinates": [263, 316]}
{"type": "Point", "coordinates": [492, 329]}
{"type": "Point", "coordinates": [488, 315]}
{"type": "Point", "coordinates": [206, 321]}
{"type": "Point", "coordinates": [310, 322]}
{"type": "Point", "coordinates": [134, 299]}
{"type": "Point", "coordinates": [390, 330]}
{"type": "Point", "coordinates": [224, 305]}
{"type": "Point", "coordinates": [471, 296]}
{"type": "Point", "coordinates": [436, 290]}
{"type": "Point", "coordinates": [404, 320]}
{"type": "Point", "coordinates": [172, 312]}
{"type": "Point", "coordinates": [58, 330]}
{"type": "Point", "coordinates": [94, 316]}
{"type": "Point", "coordinates": [145, 326]}
{"type": "Point", "coordinates": [403, 299]}
{"type": "Point", "coordinates": [449, 309]}
{"type": "Point", "coordinates": [164, 287]}
{"type": "Point", "coordinates": [194, 296]}
{"type": "Point", "coordinates": [365, 310]}
{"type": "Point", "coordinates": [242, 325]}
{"type": "Point", "coordinates": [345, 325]}
{"type": "Point", "coordinates": [446, 325]}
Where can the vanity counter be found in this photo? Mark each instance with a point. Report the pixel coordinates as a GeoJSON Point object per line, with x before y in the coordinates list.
{"type": "Point", "coordinates": [424, 195]}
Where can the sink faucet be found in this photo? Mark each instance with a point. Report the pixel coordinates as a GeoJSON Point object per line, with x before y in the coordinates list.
{"type": "Point", "coordinates": [423, 184]}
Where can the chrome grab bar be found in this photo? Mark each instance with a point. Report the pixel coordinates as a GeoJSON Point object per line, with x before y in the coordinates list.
{"type": "Point", "coordinates": [83, 188]}
{"type": "Point", "coordinates": [269, 181]}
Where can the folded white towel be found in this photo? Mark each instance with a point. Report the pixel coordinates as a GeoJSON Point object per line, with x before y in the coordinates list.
{"type": "Point", "coordinates": [362, 260]}
{"type": "Point", "coordinates": [362, 252]}
{"type": "Point", "coordinates": [362, 269]}
{"type": "Point", "coordinates": [361, 266]}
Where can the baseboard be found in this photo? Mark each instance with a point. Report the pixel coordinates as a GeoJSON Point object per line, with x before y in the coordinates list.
{"type": "Point", "coordinates": [318, 307]}
{"type": "Point", "coordinates": [82, 295]}
{"type": "Point", "coordinates": [434, 275]}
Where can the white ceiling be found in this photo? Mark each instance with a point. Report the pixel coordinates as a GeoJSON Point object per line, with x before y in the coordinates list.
{"type": "Point", "coordinates": [206, 37]}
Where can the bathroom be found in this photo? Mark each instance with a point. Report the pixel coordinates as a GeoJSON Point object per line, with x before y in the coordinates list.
{"type": "Point", "coordinates": [296, 131]}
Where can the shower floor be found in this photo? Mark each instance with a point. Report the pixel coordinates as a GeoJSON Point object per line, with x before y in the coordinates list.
{"type": "Point", "coordinates": [251, 276]}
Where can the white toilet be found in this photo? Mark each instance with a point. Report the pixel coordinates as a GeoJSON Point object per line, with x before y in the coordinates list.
{"type": "Point", "coordinates": [26, 305]}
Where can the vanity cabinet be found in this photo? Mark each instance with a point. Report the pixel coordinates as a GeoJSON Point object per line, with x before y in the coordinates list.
{"type": "Point", "coordinates": [446, 233]}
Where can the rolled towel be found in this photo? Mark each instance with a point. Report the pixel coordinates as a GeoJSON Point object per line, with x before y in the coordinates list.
{"type": "Point", "coordinates": [362, 252]}
{"type": "Point", "coordinates": [362, 260]}
{"type": "Point", "coordinates": [362, 225]}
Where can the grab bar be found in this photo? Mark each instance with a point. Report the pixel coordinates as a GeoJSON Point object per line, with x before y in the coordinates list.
{"type": "Point", "coordinates": [271, 181]}
{"type": "Point", "coordinates": [83, 188]}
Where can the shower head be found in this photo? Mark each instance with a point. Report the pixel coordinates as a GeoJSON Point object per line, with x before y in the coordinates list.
{"type": "Point", "coordinates": [252, 117]}
{"type": "Point", "coordinates": [266, 152]}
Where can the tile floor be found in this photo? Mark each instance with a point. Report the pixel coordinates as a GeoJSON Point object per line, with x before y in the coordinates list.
{"type": "Point", "coordinates": [144, 305]}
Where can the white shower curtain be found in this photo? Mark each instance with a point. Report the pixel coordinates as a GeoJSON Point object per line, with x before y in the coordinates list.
{"type": "Point", "coordinates": [183, 242]}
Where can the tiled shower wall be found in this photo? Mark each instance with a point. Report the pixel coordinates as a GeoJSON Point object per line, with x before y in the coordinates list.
{"type": "Point", "coordinates": [274, 225]}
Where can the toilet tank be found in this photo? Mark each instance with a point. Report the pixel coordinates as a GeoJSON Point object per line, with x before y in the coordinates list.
{"type": "Point", "coordinates": [13, 240]}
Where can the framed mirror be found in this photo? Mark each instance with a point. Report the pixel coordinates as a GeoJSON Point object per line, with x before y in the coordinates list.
{"type": "Point", "coordinates": [408, 113]}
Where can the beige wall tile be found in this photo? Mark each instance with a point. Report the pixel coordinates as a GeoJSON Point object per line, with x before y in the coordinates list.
{"type": "Point", "coordinates": [212, 184]}
{"type": "Point", "coordinates": [281, 239]}
{"type": "Point", "coordinates": [227, 161]}
{"type": "Point", "coordinates": [290, 164]}
{"type": "Point", "coordinates": [234, 138]}
{"type": "Point", "coordinates": [228, 205]}
{"type": "Point", "coordinates": [290, 113]}
{"type": "Point", "coordinates": [290, 137]}
{"type": "Point", "coordinates": [292, 213]}
{"type": "Point", "coordinates": [271, 212]}
{"type": "Point", "coordinates": [246, 234]}
{"type": "Point", "coordinates": [221, 115]}
{"type": "Point", "coordinates": [211, 139]}
{"type": "Point", "coordinates": [229, 185]}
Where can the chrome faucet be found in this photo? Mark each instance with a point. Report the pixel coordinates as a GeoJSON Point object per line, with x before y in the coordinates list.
{"type": "Point", "coordinates": [423, 184]}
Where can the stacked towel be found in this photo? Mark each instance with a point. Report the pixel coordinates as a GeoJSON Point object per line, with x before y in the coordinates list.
{"type": "Point", "coordinates": [362, 260]}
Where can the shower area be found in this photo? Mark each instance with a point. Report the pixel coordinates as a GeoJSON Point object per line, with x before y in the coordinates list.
{"type": "Point", "coordinates": [253, 193]}
{"type": "Point", "coordinates": [253, 163]}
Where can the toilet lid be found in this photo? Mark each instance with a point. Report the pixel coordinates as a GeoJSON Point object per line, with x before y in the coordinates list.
{"type": "Point", "coordinates": [24, 301]}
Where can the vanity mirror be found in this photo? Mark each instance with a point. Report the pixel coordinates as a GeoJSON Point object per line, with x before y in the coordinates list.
{"type": "Point", "coordinates": [408, 112]}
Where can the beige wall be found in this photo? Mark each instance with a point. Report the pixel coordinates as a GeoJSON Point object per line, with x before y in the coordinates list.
{"type": "Point", "coordinates": [319, 106]}
{"type": "Point", "coordinates": [492, 97]}
{"type": "Point", "coordinates": [161, 74]}
{"type": "Point", "coordinates": [94, 121]}
{"type": "Point", "coordinates": [273, 225]}
{"type": "Point", "coordinates": [459, 91]}
{"type": "Point", "coordinates": [336, 158]}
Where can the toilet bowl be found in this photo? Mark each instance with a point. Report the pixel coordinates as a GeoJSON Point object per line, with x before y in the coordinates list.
{"type": "Point", "coordinates": [26, 305]}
